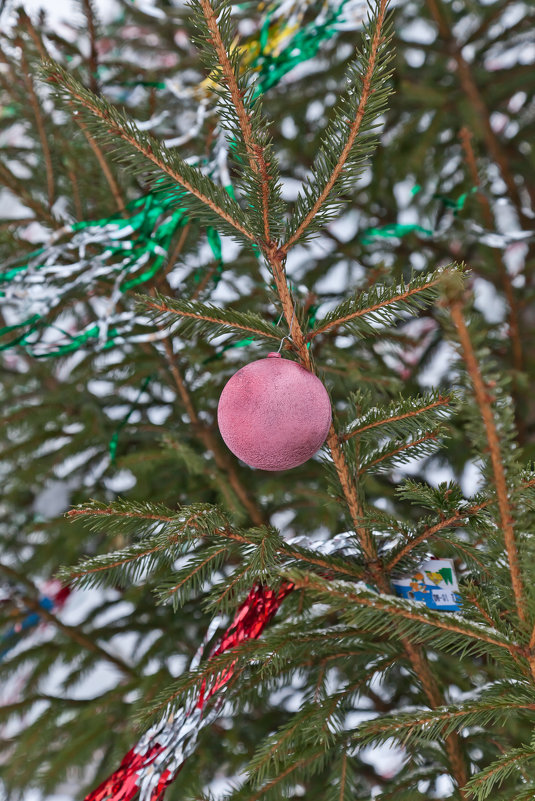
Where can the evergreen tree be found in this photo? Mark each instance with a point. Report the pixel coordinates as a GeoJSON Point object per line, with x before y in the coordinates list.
{"type": "Point", "coordinates": [186, 189]}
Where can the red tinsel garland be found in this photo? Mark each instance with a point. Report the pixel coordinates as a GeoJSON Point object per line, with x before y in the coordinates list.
{"type": "Point", "coordinates": [151, 766]}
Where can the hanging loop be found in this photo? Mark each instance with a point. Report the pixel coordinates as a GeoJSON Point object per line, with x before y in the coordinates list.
{"type": "Point", "coordinates": [288, 336]}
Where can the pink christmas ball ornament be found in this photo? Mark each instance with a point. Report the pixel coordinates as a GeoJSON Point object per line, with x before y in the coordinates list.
{"type": "Point", "coordinates": [273, 414]}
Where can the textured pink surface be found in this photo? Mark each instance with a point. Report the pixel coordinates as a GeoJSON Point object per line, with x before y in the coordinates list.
{"type": "Point", "coordinates": [273, 414]}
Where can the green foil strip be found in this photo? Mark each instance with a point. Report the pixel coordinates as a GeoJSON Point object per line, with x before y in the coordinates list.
{"type": "Point", "coordinates": [391, 231]}
{"type": "Point", "coordinates": [397, 230]}
{"type": "Point", "coordinates": [114, 441]}
{"type": "Point", "coordinates": [303, 46]}
{"type": "Point", "coordinates": [155, 239]}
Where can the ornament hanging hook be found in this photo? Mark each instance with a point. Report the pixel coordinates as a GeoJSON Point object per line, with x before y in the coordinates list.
{"type": "Point", "coordinates": [288, 336]}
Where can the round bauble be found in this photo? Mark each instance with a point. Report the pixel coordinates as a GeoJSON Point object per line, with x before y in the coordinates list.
{"type": "Point", "coordinates": [273, 414]}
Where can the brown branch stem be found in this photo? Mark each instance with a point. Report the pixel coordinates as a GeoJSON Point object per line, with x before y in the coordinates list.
{"type": "Point", "coordinates": [104, 166]}
{"type": "Point", "coordinates": [475, 98]}
{"type": "Point", "coordinates": [161, 307]}
{"type": "Point", "coordinates": [93, 53]}
{"type": "Point", "coordinates": [483, 401]}
{"type": "Point", "coordinates": [255, 152]}
{"type": "Point", "coordinates": [514, 314]}
{"type": "Point", "coordinates": [34, 102]}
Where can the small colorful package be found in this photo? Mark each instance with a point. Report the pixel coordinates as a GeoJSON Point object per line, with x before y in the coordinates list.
{"type": "Point", "coordinates": [434, 583]}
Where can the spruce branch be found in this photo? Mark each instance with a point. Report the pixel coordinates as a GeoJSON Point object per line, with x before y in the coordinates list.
{"type": "Point", "coordinates": [341, 156]}
{"type": "Point", "coordinates": [203, 196]}
{"type": "Point", "coordinates": [254, 149]}
{"type": "Point", "coordinates": [376, 418]}
{"type": "Point", "coordinates": [159, 532]}
{"type": "Point", "coordinates": [383, 305]}
{"type": "Point", "coordinates": [459, 519]}
{"type": "Point", "coordinates": [97, 510]}
{"type": "Point", "coordinates": [299, 763]}
{"type": "Point", "coordinates": [351, 497]}
{"type": "Point", "coordinates": [432, 724]}
{"type": "Point", "coordinates": [193, 575]}
{"type": "Point", "coordinates": [422, 446]}
{"type": "Point", "coordinates": [299, 553]}
{"type": "Point", "coordinates": [341, 593]}
{"type": "Point", "coordinates": [483, 783]}
{"type": "Point", "coordinates": [204, 318]}
{"type": "Point", "coordinates": [483, 401]}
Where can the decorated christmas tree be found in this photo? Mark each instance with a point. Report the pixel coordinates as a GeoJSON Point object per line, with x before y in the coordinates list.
{"type": "Point", "coordinates": [265, 349]}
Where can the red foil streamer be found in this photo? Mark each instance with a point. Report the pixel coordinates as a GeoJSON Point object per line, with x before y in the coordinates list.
{"type": "Point", "coordinates": [142, 761]}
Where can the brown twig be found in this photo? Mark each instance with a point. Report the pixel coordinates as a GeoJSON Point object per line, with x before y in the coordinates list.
{"type": "Point", "coordinates": [25, 20]}
{"type": "Point", "coordinates": [19, 188]}
{"type": "Point", "coordinates": [483, 401]}
{"type": "Point", "coordinates": [108, 512]}
{"type": "Point", "coordinates": [104, 166]}
{"type": "Point", "coordinates": [177, 250]}
{"type": "Point", "coordinates": [516, 338]}
{"type": "Point", "coordinates": [34, 102]}
{"type": "Point", "coordinates": [472, 93]}
{"type": "Point", "coordinates": [161, 307]}
{"type": "Point", "coordinates": [75, 194]}
{"type": "Point", "coordinates": [89, 12]}
{"type": "Point", "coordinates": [255, 151]}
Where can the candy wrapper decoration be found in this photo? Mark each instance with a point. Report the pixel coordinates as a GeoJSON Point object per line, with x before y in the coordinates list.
{"type": "Point", "coordinates": [434, 583]}
{"type": "Point", "coordinates": [52, 601]}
